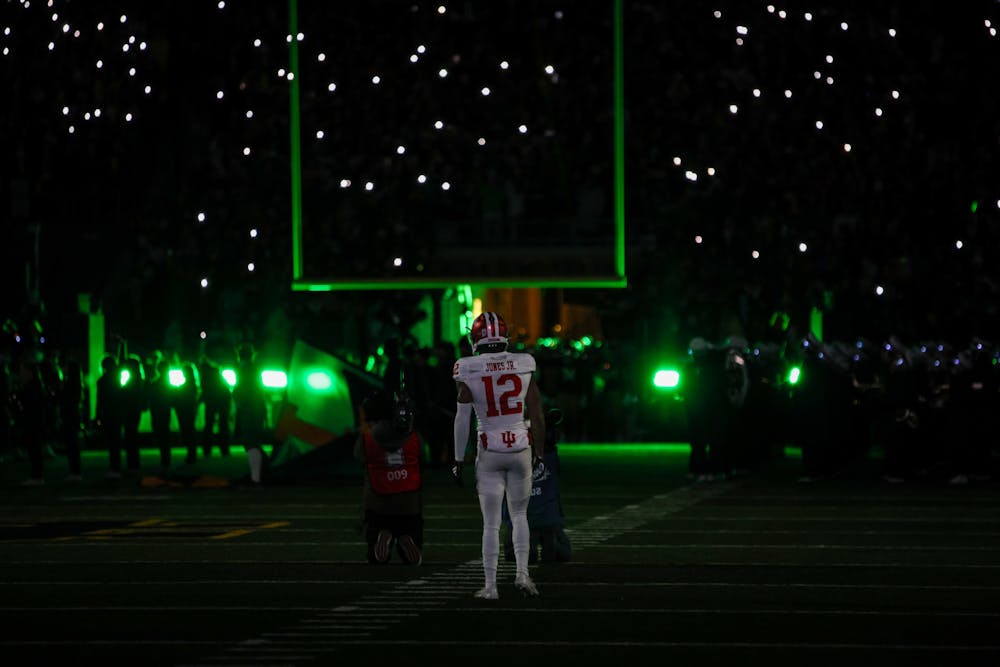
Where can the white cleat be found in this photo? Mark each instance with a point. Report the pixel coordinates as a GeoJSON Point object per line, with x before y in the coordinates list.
{"type": "Point", "coordinates": [525, 586]}
{"type": "Point", "coordinates": [488, 593]}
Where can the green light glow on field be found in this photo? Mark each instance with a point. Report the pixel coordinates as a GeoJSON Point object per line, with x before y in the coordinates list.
{"type": "Point", "coordinates": [153, 454]}
{"type": "Point", "coordinates": [625, 449]}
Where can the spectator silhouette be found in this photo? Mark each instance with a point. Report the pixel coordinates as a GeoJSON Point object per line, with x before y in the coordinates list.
{"type": "Point", "coordinates": [185, 404]}
{"type": "Point", "coordinates": [29, 418]}
{"type": "Point", "coordinates": [133, 404]}
{"type": "Point", "coordinates": [250, 401]}
{"type": "Point", "coordinates": [70, 398]}
{"type": "Point", "coordinates": [109, 414]}
{"type": "Point", "coordinates": [160, 405]}
{"type": "Point", "coordinates": [217, 398]}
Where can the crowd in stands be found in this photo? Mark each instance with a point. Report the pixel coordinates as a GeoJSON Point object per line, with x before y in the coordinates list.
{"type": "Point", "coordinates": [112, 209]}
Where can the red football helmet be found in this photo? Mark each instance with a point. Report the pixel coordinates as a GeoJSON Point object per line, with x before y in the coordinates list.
{"type": "Point", "coordinates": [488, 329]}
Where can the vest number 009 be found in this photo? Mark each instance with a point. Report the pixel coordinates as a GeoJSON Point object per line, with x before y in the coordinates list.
{"type": "Point", "coordinates": [503, 405]}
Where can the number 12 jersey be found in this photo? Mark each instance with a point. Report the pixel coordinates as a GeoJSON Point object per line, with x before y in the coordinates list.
{"type": "Point", "coordinates": [499, 383]}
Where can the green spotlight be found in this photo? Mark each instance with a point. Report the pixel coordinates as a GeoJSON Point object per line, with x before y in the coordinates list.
{"type": "Point", "coordinates": [794, 373]}
{"type": "Point", "coordinates": [125, 376]}
{"type": "Point", "coordinates": [666, 378]}
{"type": "Point", "coordinates": [274, 379]}
{"type": "Point", "coordinates": [319, 380]}
{"type": "Point", "coordinates": [229, 375]}
{"type": "Point", "coordinates": [176, 377]}
{"type": "Point", "coordinates": [975, 206]}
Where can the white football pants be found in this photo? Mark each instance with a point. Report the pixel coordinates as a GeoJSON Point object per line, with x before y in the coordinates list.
{"type": "Point", "coordinates": [497, 473]}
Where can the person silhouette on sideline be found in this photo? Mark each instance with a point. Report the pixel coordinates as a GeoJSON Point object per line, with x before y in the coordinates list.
{"type": "Point", "coordinates": [389, 448]}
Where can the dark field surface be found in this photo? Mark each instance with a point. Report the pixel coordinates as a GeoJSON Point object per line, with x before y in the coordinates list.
{"type": "Point", "coordinates": [760, 570]}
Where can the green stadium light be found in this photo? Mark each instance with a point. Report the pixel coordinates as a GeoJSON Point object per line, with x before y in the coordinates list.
{"type": "Point", "coordinates": [229, 375]}
{"type": "Point", "coordinates": [666, 378]}
{"type": "Point", "coordinates": [176, 377]}
{"type": "Point", "coordinates": [794, 373]}
{"type": "Point", "coordinates": [319, 380]}
{"type": "Point", "coordinates": [274, 379]}
{"type": "Point", "coordinates": [125, 376]}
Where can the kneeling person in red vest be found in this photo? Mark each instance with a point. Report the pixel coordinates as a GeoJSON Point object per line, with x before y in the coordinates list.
{"type": "Point", "coordinates": [389, 448]}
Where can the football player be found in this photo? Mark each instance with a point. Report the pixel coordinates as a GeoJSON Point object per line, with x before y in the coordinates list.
{"type": "Point", "coordinates": [499, 386]}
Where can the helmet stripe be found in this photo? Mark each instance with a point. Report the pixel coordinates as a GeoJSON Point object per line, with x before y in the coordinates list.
{"type": "Point", "coordinates": [488, 326]}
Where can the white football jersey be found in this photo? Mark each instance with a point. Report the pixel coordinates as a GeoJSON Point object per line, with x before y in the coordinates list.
{"type": "Point", "coordinates": [499, 383]}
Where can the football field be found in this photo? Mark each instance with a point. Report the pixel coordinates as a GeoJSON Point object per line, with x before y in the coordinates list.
{"type": "Point", "coordinates": [663, 571]}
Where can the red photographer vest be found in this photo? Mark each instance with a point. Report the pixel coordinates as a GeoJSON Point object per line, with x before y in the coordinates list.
{"type": "Point", "coordinates": [393, 471]}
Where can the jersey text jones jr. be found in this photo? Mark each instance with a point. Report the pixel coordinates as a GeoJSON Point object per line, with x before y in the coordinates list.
{"type": "Point", "coordinates": [499, 383]}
